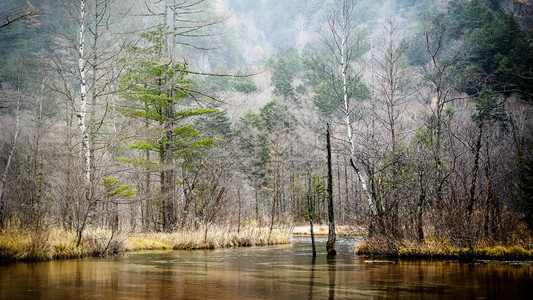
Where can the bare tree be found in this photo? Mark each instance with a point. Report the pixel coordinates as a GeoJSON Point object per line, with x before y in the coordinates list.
{"type": "Point", "coordinates": [438, 73]}
{"type": "Point", "coordinates": [394, 87]}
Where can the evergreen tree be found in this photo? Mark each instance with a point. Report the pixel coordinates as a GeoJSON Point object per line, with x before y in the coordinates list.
{"type": "Point", "coordinates": [157, 92]}
{"type": "Point", "coordinates": [285, 68]}
{"type": "Point", "coordinates": [499, 52]}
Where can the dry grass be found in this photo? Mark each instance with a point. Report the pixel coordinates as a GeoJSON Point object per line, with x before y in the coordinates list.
{"type": "Point", "coordinates": [222, 237]}
{"type": "Point", "coordinates": [18, 243]}
{"type": "Point", "coordinates": [322, 230]}
{"type": "Point", "coordinates": [443, 248]}
{"type": "Point", "coordinates": [217, 237]}
{"type": "Point", "coordinates": [148, 241]}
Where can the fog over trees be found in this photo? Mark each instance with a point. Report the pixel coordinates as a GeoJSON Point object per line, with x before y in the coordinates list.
{"type": "Point", "coordinates": [145, 115]}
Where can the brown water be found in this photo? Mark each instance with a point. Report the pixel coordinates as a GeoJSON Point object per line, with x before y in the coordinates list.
{"type": "Point", "coordinates": [279, 272]}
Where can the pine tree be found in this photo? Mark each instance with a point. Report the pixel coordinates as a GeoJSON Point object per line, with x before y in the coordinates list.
{"type": "Point", "coordinates": [157, 92]}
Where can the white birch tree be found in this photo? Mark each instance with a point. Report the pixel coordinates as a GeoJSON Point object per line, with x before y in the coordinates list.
{"type": "Point", "coordinates": [344, 44]}
{"type": "Point", "coordinates": [84, 66]}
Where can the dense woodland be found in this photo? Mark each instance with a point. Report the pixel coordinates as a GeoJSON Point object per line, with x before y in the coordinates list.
{"type": "Point", "coordinates": [144, 115]}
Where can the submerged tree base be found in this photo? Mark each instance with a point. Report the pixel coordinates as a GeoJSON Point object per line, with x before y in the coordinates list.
{"type": "Point", "coordinates": [442, 248]}
{"type": "Point", "coordinates": [26, 244]}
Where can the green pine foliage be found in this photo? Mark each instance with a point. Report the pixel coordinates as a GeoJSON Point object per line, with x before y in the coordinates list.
{"type": "Point", "coordinates": [488, 107]}
{"type": "Point", "coordinates": [151, 87]}
{"type": "Point", "coordinates": [215, 125]}
{"type": "Point", "coordinates": [113, 187]}
{"type": "Point", "coordinates": [327, 98]}
{"type": "Point", "coordinates": [286, 65]}
{"type": "Point", "coordinates": [244, 85]}
{"type": "Point", "coordinates": [325, 82]}
{"type": "Point", "coordinates": [219, 83]}
{"type": "Point", "coordinates": [498, 50]}
{"type": "Point", "coordinates": [276, 117]}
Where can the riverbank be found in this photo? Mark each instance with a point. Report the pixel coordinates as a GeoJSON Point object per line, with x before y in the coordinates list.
{"type": "Point", "coordinates": [18, 243]}
{"type": "Point", "coordinates": [443, 249]}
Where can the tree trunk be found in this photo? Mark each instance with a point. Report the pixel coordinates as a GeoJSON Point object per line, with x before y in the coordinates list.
{"type": "Point", "coordinates": [472, 193]}
{"type": "Point", "coordinates": [169, 213]}
{"type": "Point", "coordinates": [239, 217]}
{"type": "Point", "coordinates": [68, 218]}
{"type": "Point", "coordinates": [272, 214]}
{"type": "Point", "coordinates": [341, 214]}
{"type": "Point", "coordinates": [492, 213]}
{"type": "Point", "coordinates": [330, 244]}
{"type": "Point", "coordinates": [310, 210]}
{"type": "Point", "coordinates": [162, 186]}
{"type": "Point", "coordinates": [114, 221]}
{"type": "Point", "coordinates": [146, 216]}
{"type": "Point", "coordinates": [82, 124]}
{"type": "Point", "coordinates": [420, 214]}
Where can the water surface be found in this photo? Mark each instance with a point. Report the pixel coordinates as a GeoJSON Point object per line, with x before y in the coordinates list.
{"type": "Point", "coordinates": [278, 272]}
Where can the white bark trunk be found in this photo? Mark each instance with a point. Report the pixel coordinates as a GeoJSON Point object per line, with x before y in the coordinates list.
{"type": "Point", "coordinates": [344, 68]}
{"type": "Point", "coordinates": [82, 113]}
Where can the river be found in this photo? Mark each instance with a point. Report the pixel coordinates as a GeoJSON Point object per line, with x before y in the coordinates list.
{"type": "Point", "coordinates": [276, 272]}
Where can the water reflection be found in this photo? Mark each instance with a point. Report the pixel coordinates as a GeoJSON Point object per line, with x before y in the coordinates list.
{"type": "Point", "coordinates": [311, 278]}
{"type": "Point", "coordinates": [332, 271]}
{"type": "Point", "coordinates": [280, 272]}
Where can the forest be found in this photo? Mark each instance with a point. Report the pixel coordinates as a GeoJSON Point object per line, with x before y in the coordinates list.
{"type": "Point", "coordinates": [145, 124]}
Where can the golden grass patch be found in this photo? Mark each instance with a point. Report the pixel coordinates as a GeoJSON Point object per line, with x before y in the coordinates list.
{"type": "Point", "coordinates": [18, 243]}
{"type": "Point", "coordinates": [443, 248]}
{"type": "Point", "coordinates": [322, 230]}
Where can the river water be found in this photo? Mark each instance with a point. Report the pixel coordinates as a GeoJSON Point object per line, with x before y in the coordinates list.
{"type": "Point", "coordinates": [277, 272]}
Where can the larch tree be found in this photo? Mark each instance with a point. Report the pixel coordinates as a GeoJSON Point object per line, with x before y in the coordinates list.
{"type": "Point", "coordinates": [395, 85]}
